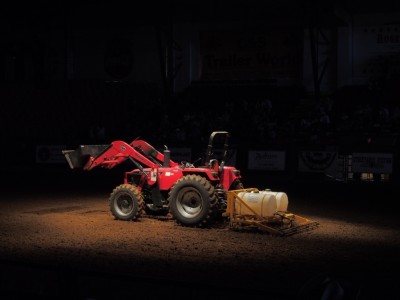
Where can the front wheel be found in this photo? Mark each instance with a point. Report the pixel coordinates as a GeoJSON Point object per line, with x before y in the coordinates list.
{"type": "Point", "coordinates": [126, 202]}
{"type": "Point", "coordinates": [191, 201]}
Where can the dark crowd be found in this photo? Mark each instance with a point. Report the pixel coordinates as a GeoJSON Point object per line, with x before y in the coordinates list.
{"type": "Point", "coordinates": [256, 116]}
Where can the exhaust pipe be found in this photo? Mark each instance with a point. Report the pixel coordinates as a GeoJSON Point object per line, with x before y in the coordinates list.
{"type": "Point", "coordinates": [167, 158]}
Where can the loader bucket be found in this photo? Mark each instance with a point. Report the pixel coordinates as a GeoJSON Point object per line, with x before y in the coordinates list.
{"type": "Point", "coordinates": [78, 158]}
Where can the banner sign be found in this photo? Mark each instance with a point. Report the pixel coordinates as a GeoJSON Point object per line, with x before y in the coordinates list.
{"type": "Point", "coordinates": [376, 49]}
{"type": "Point", "coordinates": [50, 154]}
{"type": "Point", "coordinates": [380, 163]}
{"type": "Point", "coordinates": [249, 55]}
{"type": "Point", "coordinates": [266, 160]}
{"type": "Point", "coordinates": [318, 161]}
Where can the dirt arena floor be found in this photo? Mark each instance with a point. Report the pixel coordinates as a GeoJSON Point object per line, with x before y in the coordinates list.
{"type": "Point", "coordinates": [59, 241]}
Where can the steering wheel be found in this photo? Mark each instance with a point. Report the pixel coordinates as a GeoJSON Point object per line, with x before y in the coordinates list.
{"type": "Point", "coordinates": [186, 164]}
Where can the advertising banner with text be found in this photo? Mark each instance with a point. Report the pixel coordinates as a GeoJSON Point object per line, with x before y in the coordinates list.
{"type": "Point", "coordinates": [381, 163]}
{"type": "Point", "coordinates": [251, 55]}
{"type": "Point", "coordinates": [376, 50]}
{"type": "Point", "coordinates": [267, 160]}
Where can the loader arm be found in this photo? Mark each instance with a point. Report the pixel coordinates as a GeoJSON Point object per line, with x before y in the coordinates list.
{"type": "Point", "coordinates": [118, 153]}
{"type": "Point", "coordinates": [108, 156]}
{"type": "Point", "coordinates": [149, 151]}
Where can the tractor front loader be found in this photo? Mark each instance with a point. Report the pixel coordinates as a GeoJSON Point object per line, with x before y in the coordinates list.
{"type": "Point", "coordinates": [158, 186]}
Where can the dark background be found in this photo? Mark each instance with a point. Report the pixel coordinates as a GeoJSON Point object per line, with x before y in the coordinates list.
{"type": "Point", "coordinates": [67, 69]}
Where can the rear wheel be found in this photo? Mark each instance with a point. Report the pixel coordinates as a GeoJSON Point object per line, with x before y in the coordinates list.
{"type": "Point", "coordinates": [191, 201]}
{"type": "Point", "coordinates": [126, 202]}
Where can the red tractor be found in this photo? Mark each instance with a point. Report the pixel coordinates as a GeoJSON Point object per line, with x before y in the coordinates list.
{"type": "Point", "coordinates": [193, 195]}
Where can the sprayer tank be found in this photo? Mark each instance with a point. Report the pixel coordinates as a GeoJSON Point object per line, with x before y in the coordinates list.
{"type": "Point", "coordinates": [263, 204]}
{"type": "Point", "coordinates": [282, 200]}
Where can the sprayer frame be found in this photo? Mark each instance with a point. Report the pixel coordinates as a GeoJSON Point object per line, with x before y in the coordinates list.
{"type": "Point", "coordinates": [282, 223]}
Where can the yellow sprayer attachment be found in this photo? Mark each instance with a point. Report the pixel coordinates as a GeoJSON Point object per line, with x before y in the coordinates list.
{"type": "Point", "coordinates": [254, 209]}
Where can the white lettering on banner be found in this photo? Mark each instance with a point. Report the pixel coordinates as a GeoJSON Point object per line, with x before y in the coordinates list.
{"type": "Point", "coordinates": [181, 154]}
{"type": "Point", "coordinates": [381, 163]}
{"type": "Point", "coordinates": [266, 160]}
{"type": "Point", "coordinates": [50, 154]}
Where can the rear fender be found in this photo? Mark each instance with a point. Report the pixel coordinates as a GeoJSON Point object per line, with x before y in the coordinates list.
{"type": "Point", "coordinates": [209, 174]}
{"type": "Point", "coordinates": [228, 176]}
